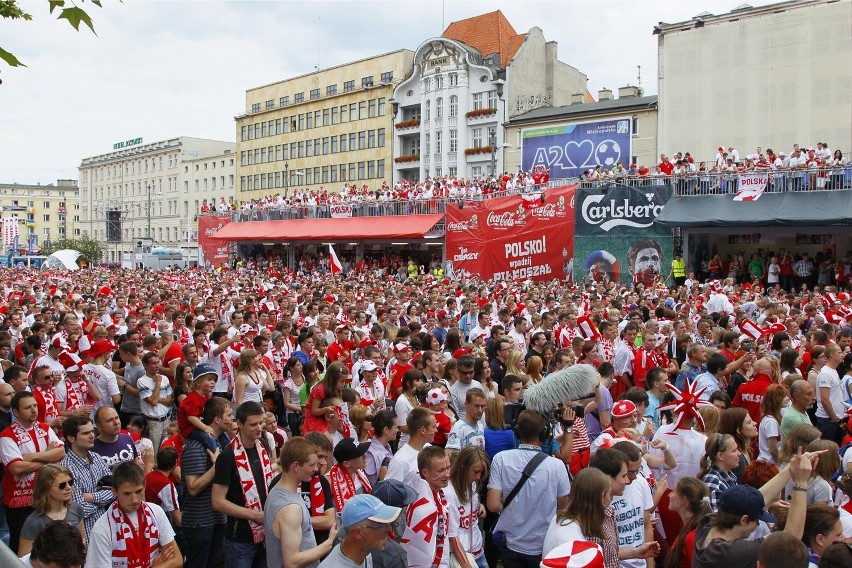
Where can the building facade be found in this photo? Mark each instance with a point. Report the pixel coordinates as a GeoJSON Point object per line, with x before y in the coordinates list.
{"type": "Point", "coordinates": [640, 111]}
{"type": "Point", "coordinates": [142, 191]}
{"type": "Point", "coordinates": [320, 130]}
{"type": "Point", "coordinates": [464, 86]}
{"type": "Point", "coordinates": [45, 213]}
{"type": "Point", "coordinates": [211, 179]}
{"type": "Point", "coordinates": [771, 76]}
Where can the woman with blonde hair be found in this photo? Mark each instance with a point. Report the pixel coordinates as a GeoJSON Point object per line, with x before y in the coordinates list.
{"type": "Point", "coordinates": [769, 430]}
{"type": "Point", "coordinates": [52, 502]}
{"type": "Point", "coordinates": [515, 365]}
{"type": "Point", "coordinates": [360, 417]}
{"type": "Point", "coordinates": [497, 436]}
{"type": "Point", "coordinates": [533, 370]}
{"type": "Point", "coordinates": [691, 500]}
{"type": "Point", "coordinates": [584, 517]}
{"type": "Point", "coordinates": [467, 479]}
{"type": "Point", "coordinates": [820, 488]}
{"type": "Point", "coordinates": [711, 416]}
{"type": "Point", "coordinates": [252, 378]}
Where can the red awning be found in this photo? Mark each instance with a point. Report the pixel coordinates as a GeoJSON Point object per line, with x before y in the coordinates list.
{"type": "Point", "coordinates": [341, 229]}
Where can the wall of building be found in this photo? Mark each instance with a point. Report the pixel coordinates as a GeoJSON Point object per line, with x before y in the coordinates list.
{"type": "Point", "coordinates": [285, 143]}
{"type": "Point", "coordinates": [210, 179]}
{"type": "Point", "coordinates": [49, 212]}
{"type": "Point", "coordinates": [768, 77]}
{"type": "Point", "coordinates": [536, 78]}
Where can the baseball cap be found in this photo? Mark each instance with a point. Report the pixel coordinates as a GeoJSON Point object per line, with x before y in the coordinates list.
{"type": "Point", "coordinates": [369, 365]}
{"type": "Point", "coordinates": [394, 493]}
{"type": "Point", "coordinates": [347, 449]}
{"type": "Point", "coordinates": [745, 500]}
{"type": "Point", "coordinates": [203, 369]}
{"type": "Point", "coordinates": [401, 347]}
{"type": "Point", "coordinates": [246, 328]}
{"type": "Point", "coordinates": [575, 554]}
{"type": "Point", "coordinates": [476, 334]}
{"type": "Point", "coordinates": [366, 507]}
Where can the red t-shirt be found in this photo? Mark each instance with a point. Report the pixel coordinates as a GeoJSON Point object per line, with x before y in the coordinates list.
{"type": "Point", "coordinates": [397, 371]}
{"type": "Point", "coordinates": [443, 431]}
{"type": "Point", "coordinates": [192, 405]}
{"type": "Point", "coordinates": [174, 352]}
{"type": "Point", "coordinates": [667, 168]}
{"type": "Point", "coordinates": [750, 395]}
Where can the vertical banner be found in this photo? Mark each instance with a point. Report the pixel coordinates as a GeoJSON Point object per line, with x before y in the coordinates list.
{"type": "Point", "coordinates": [510, 238]}
{"type": "Point", "coordinates": [616, 237]}
{"type": "Point", "coordinates": [570, 149]}
{"type": "Point", "coordinates": [216, 252]}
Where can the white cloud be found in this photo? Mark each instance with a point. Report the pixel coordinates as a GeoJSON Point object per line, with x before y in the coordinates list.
{"type": "Point", "coordinates": [161, 69]}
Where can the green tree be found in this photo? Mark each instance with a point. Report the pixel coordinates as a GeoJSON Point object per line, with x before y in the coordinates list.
{"type": "Point", "coordinates": [73, 14]}
{"type": "Point", "coordinates": [91, 249]}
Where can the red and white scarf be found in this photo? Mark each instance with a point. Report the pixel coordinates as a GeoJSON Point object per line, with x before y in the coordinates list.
{"type": "Point", "coordinates": [317, 497]}
{"type": "Point", "coordinates": [77, 394]}
{"type": "Point", "coordinates": [132, 547]}
{"type": "Point", "coordinates": [36, 437]}
{"type": "Point", "coordinates": [252, 495]}
{"type": "Point", "coordinates": [344, 419]}
{"type": "Point", "coordinates": [343, 486]}
{"type": "Point", "coordinates": [442, 525]}
{"type": "Point", "coordinates": [48, 397]}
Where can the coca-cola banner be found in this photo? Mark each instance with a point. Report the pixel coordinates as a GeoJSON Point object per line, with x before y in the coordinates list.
{"type": "Point", "coordinates": [216, 252]}
{"type": "Point", "coordinates": [616, 237]}
{"type": "Point", "coordinates": [513, 238]}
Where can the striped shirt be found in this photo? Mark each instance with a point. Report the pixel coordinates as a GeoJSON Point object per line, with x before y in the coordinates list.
{"type": "Point", "coordinates": [197, 511]}
{"type": "Point", "coordinates": [86, 475]}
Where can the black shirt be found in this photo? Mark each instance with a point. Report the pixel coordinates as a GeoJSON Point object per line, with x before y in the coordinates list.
{"type": "Point", "coordinates": [238, 530]}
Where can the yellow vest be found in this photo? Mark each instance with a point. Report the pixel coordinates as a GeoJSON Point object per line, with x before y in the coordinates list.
{"type": "Point", "coordinates": [679, 268]}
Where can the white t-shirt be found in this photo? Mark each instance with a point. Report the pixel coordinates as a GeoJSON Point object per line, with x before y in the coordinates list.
{"type": "Point", "coordinates": [687, 447]}
{"type": "Point", "coordinates": [466, 518]}
{"type": "Point", "coordinates": [403, 467]}
{"type": "Point", "coordinates": [560, 533]}
{"type": "Point", "coordinates": [106, 382]}
{"type": "Point", "coordinates": [630, 517]}
{"type": "Point", "coordinates": [146, 389]}
{"type": "Point", "coordinates": [769, 428]}
{"type": "Point", "coordinates": [828, 378]}
{"type": "Point", "coordinates": [99, 553]}
{"type": "Point", "coordinates": [423, 528]}
{"type": "Point", "coordinates": [463, 435]}
{"type": "Point", "coordinates": [402, 408]}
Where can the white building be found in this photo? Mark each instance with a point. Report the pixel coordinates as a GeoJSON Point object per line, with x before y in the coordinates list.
{"type": "Point", "coordinates": [142, 190]}
{"type": "Point", "coordinates": [770, 76]}
{"type": "Point", "coordinates": [211, 178]}
{"type": "Point", "coordinates": [464, 86]}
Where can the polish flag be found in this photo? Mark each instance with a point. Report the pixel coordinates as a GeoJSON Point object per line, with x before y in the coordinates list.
{"type": "Point", "coordinates": [335, 262]}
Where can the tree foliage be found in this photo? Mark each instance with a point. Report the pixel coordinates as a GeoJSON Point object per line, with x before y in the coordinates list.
{"type": "Point", "coordinates": [91, 249]}
{"type": "Point", "coordinates": [68, 11]}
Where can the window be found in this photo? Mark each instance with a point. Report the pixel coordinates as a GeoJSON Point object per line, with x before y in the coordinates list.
{"type": "Point", "coordinates": [454, 106]}
{"type": "Point", "coordinates": [278, 127]}
{"type": "Point", "coordinates": [47, 217]}
{"type": "Point", "coordinates": [348, 86]}
{"type": "Point", "coordinates": [367, 82]}
{"type": "Point", "coordinates": [335, 115]}
{"type": "Point", "coordinates": [371, 108]}
{"type": "Point", "coordinates": [309, 120]}
{"type": "Point", "coordinates": [301, 148]}
{"type": "Point", "coordinates": [299, 97]}
{"type": "Point", "coordinates": [317, 119]}
{"type": "Point", "coordinates": [477, 138]}
{"type": "Point", "coordinates": [439, 108]}
{"type": "Point", "coordinates": [492, 99]}
{"type": "Point", "coordinates": [477, 101]}
{"type": "Point", "coordinates": [454, 143]}
{"type": "Point", "coordinates": [361, 170]}
{"type": "Point", "coordinates": [302, 122]}
{"type": "Point", "coordinates": [314, 94]}
{"type": "Point", "coordinates": [371, 139]}
{"type": "Point", "coordinates": [342, 172]}
{"type": "Point", "coordinates": [270, 104]}
{"type": "Point", "coordinates": [325, 145]}
{"type": "Point", "coordinates": [362, 140]}
{"type": "Point", "coordinates": [439, 148]}
{"type": "Point", "coordinates": [371, 169]}
{"type": "Point", "coordinates": [439, 82]}
{"type": "Point", "coordinates": [427, 85]}
{"type": "Point", "coordinates": [255, 107]}
{"type": "Point", "coordinates": [387, 76]}
{"type": "Point", "coordinates": [317, 146]}
{"type": "Point", "coordinates": [343, 145]}
{"type": "Point", "coordinates": [331, 90]}
{"type": "Point", "coordinates": [243, 133]}
{"type": "Point", "coordinates": [352, 141]}
{"type": "Point", "coordinates": [428, 111]}
{"type": "Point", "coordinates": [380, 169]}
{"type": "Point", "coordinates": [343, 113]}
{"type": "Point", "coordinates": [381, 134]}
{"type": "Point", "coordinates": [382, 106]}
{"type": "Point", "coordinates": [264, 132]}
{"type": "Point", "coordinates": [454, 80]}
{"type": "Point", "coordinates": [334, 145]}
{"type": "Point", "coordinates": [362, 110]}
{"type": "Point", "coordinates": [352, 176]}
{"type": "Point", "coordinates": [284, 101]}
{"type": "Point", "coordinates": [325, 174]}
{"type": "Point", "coordinates": [353, 112]}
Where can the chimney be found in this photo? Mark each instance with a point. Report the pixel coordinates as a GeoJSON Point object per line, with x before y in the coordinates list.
{"type": "Point", "coordinates": [578, 98]}
{"type": "Point", "coordinates": [604, 94]}
{"type": "Point", "coordinates": [629, 91]}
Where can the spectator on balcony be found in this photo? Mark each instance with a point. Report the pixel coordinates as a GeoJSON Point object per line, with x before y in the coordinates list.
{"type": "Point", "coordinates": [733, 154]}
{"type": "Point", "coordinates": [665, 166]}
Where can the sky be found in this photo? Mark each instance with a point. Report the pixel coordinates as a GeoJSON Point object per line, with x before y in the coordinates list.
{"type": "Point", "coordinates": [159, 69]}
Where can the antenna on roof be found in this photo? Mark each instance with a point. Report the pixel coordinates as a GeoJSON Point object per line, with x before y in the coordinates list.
{"type": "Point", "coordinates": [639, 75]}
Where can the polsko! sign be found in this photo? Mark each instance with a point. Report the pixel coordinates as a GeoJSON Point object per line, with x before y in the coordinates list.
{"type": "Point", "coordinates": [570, 149]}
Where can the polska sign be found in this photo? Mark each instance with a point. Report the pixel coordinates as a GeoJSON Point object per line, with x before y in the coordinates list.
{"type": "Point", "coordinates": [623, 206]}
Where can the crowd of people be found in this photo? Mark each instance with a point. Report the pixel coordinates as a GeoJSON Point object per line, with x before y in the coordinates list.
{"type": "Point", "coordinates": [253, 417]}
{"type": "Point", "coordinates": [431, 189]}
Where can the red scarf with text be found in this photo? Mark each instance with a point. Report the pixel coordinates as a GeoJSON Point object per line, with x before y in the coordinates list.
{"type": "Point", "coordinates": [48, 398]}
{"type": "Point", "coordinates": [133, 548]}
{"type": "Point", "coordinates": [77, 394]}
{"type": "Point", "coordinates": [252, 495]}
{"type": "Point", "coordinates": [317, 497]}
{"type": "Point", "coordinates": [443, 524]}
{"type": "Point", "coordinates": [22, 485]}
{"type": "Point", "coordinates": [343, 486]}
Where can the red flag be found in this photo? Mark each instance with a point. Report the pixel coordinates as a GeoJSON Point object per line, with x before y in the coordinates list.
{"type": "Point", "coordinates": [335, 262]}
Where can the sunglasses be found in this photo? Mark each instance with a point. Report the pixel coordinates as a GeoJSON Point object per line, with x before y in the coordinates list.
{"type": "Point", "coordinates": [64, 484]}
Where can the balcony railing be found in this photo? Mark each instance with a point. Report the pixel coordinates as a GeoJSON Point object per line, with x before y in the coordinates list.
{"type": "Point", "coordinates": [374, 209]}
{"type": "Point", "coordinates": [779, 181]}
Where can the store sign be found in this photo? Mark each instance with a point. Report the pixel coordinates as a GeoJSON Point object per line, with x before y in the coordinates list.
{"type": "Point", "coordinates": [126, 143]}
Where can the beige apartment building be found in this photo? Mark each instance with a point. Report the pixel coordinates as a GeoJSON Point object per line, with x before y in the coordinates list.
{"type": "Point", "coordinates": [769, 76]}
{"type": "Point", "coordinates": [142, 190]}
{"type": "Point", "coordinates": [45, 213]}
{"type": "Point", "coordinates": [320, 130]}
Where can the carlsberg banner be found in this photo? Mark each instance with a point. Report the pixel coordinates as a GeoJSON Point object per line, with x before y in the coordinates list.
{"type": "Point", "coordinates": [616, 237]}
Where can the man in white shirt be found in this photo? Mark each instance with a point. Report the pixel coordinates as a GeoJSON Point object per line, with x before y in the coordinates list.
{"type": "Point", "coordinates": [468, 431]}
{"type": "Point", "coordinates": [156, 397]}
{"type": "Point", "coordinates": [422, 426]}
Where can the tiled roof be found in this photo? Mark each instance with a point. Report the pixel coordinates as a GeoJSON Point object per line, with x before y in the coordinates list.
{"type": "Point", "coordinates": [489, 33]}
